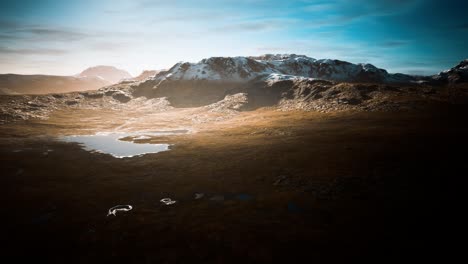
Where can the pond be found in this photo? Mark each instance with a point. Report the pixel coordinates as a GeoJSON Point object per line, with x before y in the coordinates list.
{"type": "Point", "coordinates": [111, 143]}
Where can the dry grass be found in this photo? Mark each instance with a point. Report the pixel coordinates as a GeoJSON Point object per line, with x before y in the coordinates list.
{"type": "Point", "coordinates": [320, 184]}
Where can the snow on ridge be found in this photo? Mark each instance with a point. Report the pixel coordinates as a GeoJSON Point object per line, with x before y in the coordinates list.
{"type": "Point", "coordinates": [280, 57]}
{"type": "Point", "coordinates": [457, 74]}
{"type": "Point", "coordinates": [237, 69]}
{"type": "Point", "coordinates": [244, 69]}
{"type": "Point", "coordinates": [277, 77]}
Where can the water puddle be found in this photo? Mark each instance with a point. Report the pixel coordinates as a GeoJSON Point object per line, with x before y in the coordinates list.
{"type": "Point", "coordinates": [113, 143]}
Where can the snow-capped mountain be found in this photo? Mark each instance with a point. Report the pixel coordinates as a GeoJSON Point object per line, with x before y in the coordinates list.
{"type": "Point", "coordinates": [456, 74]}
{"type": "Point", "coordinates": [268, 78]}
{"type": "Point", "coordinates": [244, 69]}
{"type": "Point", "coordinates": [236, 69]}
{"type": "Point", "coordinates": [107, 73]}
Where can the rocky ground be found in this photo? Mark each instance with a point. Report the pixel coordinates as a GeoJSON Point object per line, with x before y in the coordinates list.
{"type": "Point", "coordinates": [260, 186]}
{"type": "Point", "coordinates": [305, 94]}
{"type": "Point", "coordinates": [282, 172]}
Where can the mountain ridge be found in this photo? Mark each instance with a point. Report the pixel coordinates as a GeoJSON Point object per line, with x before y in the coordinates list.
{"type": "Point", "coordinates": [247, 68]}
{"type": "Point", "coordinates": [268, 79]}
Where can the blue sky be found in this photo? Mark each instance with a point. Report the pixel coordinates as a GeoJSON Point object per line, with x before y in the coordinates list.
{"type": "Point", "coordinates": [64, 37]}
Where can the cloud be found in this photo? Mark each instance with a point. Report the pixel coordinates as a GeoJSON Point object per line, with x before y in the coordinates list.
{"type": "Point", "coordinates": [51, 34]}
{"type": "Point", "coordinates": [14, 30]}
{"type": "Point", "coordinates": [8, 24]}
{"type": "Point", "coordinates": [341, 12]}
{"type": "Point", "coordinates": [393, 43]}
{"type": "Point", "coordinates": [108, 46]}
{"type": "Point", "coordinates": [31, 51]}
{"type": "Point", "coordinates": [271, 49]}
{"type": "Point", "coordinates": [319, 7]}
{"type": "Point", "coordinates": [388, 7]}
{"type": "Point", "coordinates": [255, 26]}
{"type": "Point", "coordinates": [191, 16]}
{"type": "Point", "coordinates": [249, 26]}
{"type": "Point", "coordinates": [420, 72]}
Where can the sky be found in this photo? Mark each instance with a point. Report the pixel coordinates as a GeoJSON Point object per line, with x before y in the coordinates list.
{"type": "Point", "coordinates": [65, 37]}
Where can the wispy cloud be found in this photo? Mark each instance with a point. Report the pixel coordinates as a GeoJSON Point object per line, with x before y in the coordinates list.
{"type": "Point", "coordinates": [272, 49]}
{"type": "Point", "coordinates": [14, 30]}
{"type": "Point", "coordinates": [246, 27]}
{"type": "Point", "coordinates": [393, 43]}
{"type": "Point", "coordinates": [255, 25]}
{"type": "Point", "coordinates": [8, 24]}
{"type": "Point", "coordinates": [108, 45]}
{"type": "Point", "coordinates": [158, 33]}
{"type": "Point", "coordinates": [319, 7]}
{"type": "Point", "coordinates": [341, 12]}
{"type": "Point", "coordinates": [419, 72]}
{"type": "Point", "coordinates": [51, 34]}
{"type": "Point", "coordinates": [31, 51]}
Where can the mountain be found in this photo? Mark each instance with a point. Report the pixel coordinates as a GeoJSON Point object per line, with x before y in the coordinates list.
{"type": "Point", "coordinates": [90, 79]}
{"type": "Point", "coordinates": [239, 84]}
{"type": "Point", "coordinates": [209, 80]}
{"type": "Point", "coordinates": [244, 69]}
{"type": "Point", "coordinates": [107, 73]}
{"type": "Point", "coordinates": [146, 75]}
{"type": "Point", "coordinates": [43, 84]}
{"type": "Point", "coordinates": [457, 74]}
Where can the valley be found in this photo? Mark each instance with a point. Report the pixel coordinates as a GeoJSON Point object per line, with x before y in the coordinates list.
{"type": "Point", "coordinates": [275, 185]}
{"type": "Point", "coordinates": [218, 132]}
{"type": "Point", "coordinates": [268, 170]}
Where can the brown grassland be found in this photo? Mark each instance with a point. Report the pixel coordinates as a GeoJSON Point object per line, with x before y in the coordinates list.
{"type": "Point", "coordinates": [278, 186]}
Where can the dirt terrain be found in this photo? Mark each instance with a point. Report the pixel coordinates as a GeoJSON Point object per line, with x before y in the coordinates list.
{"type": "Point", "coordinates": [260, 186]}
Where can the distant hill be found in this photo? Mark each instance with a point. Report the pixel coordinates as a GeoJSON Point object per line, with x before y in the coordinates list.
{"type": "Point", "coordinates": [107, 73]}
{"type": "Point", "coordinates": [90, 79]}
{"type": "Point", "coordinates": [145, 75]}
{"type": "Point", "coordinates": [44, 84]}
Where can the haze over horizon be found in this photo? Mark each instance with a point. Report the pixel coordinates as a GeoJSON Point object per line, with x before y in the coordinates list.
{"type": "Point", "coordinates": [65, 37]}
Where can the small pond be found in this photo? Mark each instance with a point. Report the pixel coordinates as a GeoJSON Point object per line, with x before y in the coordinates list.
{"type": "Point", "coordinates": [111, 143]}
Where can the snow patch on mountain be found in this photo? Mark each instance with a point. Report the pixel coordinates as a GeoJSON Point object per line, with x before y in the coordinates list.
{"type": "Point", "coordinates": [244, 69]}
{"type": "Point", "coordinates": [276, 77]}
{"type": "Point", "coordinates": [457, 74]}
{"type": "Point", "coordinates": [235, 69]}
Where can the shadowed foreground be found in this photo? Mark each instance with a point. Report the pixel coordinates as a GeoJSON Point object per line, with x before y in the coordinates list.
{"type": "Point", "coordinates": [277, 187]}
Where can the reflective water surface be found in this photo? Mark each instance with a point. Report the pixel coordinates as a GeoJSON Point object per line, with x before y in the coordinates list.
{"type": "Point", "coordinates": [112, 143]}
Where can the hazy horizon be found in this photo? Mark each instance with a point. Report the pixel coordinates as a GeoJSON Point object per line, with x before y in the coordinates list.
{"type": "Point", "coordinates": [64, 38]}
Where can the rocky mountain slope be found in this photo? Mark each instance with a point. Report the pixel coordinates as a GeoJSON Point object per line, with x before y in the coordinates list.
{"type": "Point", "coordinates": [107, 73]}
{"type": "Point", "coordinates": [268, 79]}
{"type": "Point", "coordinates": [242, 84]}
{"type": "Point", "coordinates": [457, 74]}
{"type": "Point", "coordinates": [244, 69]}
{"type": "Point", "coordinates": [146, 75]}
